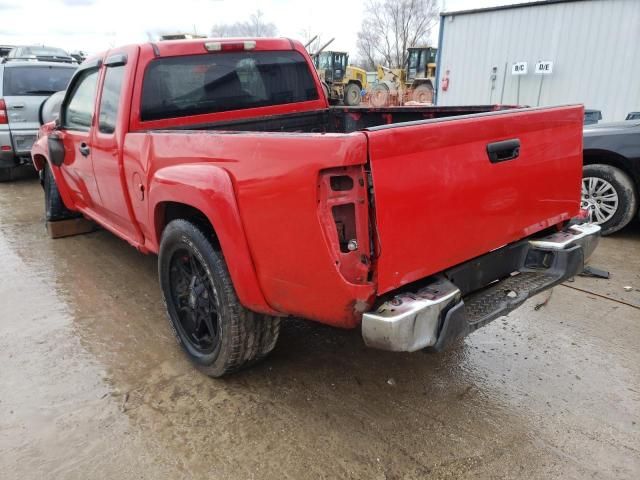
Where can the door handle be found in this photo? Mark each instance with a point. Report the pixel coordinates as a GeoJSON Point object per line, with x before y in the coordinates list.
{"type": "Point", "coordinates": [17, 106]}
{"type": "Point", "coordinates": [84, 149]}
{"type": "Point", "coordinates": [503, 151]}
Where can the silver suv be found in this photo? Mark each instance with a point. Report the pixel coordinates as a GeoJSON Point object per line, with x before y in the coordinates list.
{"type": "Point", "coordinates": [42, 53]}
{"type": "Point", "coordinates": [24, 85]}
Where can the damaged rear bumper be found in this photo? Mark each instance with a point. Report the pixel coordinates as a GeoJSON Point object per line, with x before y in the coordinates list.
{"type": "Point", "coordinates": [470, 295]}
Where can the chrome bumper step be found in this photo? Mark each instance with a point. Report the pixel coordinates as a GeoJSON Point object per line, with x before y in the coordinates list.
{"type": "Point", "coordinates": [435, 315]}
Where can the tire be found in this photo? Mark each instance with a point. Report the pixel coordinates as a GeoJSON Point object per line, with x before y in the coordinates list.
{"type": "Point", "coordinates": [379, 95]}
{"type": "Point", "coordinates": [423, 94]}
{"type": "Point", "coordinates": [54, 208]}
{"type": "Point", "coordinates": [352, 95]}
{"type": "Point", "coordinates": [609, 195]}
{"type": "Point", "coordinates": [6, 174]}
{"type": "Point", "coordinates": [325, 90]}
{"type": "Point", "coordinates": [218, 334]}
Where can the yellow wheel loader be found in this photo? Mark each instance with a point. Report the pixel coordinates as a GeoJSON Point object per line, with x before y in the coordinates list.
{"type": "Point", "coordinates": [343, 82]}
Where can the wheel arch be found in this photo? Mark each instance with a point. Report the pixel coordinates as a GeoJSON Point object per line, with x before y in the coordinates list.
{"type": "Point", "coordinates": [594, 156]}
{"type": "Point", "coordinates": [39, 161]}
{"type": "Point", "coordinates": [355, 82]}
{"type": "Point", "coordinates": [204, 195]}
{"type": "Point", "coordinates": [422, 81]}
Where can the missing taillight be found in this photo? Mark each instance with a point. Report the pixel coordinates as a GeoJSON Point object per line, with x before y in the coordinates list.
{"type": "Point", "coordinates": [343, 210]}
{"type": "Point", "coordinates": [341, 183]}
{"type": "Point", "coordinates": [345, 218]}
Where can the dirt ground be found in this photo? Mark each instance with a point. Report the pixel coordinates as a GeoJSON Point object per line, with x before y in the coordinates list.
{"type": "Point", "coordinates": [93, 385]}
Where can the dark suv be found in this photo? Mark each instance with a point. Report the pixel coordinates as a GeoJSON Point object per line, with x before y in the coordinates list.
{"type": "Point", "coordinates": [24, 85]}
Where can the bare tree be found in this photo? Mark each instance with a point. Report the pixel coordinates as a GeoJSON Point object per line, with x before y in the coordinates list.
{"type": "Point", "coordinates": [256, 26]}
{"type": "Point", "coordinates": [306, 35]}
{"type": "Point", "coordinates": [390, 27]}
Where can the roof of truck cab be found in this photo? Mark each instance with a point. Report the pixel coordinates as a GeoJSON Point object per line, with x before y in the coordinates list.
{"type": "Point", "coordinates": [187, 46]}
{"type": "Point", "coordinates": [173, 47]}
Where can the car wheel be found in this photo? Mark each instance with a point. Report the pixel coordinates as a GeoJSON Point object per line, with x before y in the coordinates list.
{"type": "Point", "coordinates": [54, 208]}
{"type": "Point", "coordinates": [609, 196]}
{"type": "Point", "coordinates": [352, 95]}
{"type": "Point", "coordinates": [379, 95]}
{"type": "Point", "coordinates": [423, 94]}
{"type": "Point", "coordinates": [218, 334]}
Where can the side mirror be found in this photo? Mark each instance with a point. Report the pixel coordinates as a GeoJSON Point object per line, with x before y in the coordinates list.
{"type": "Point", "coordinates": [50, 109]}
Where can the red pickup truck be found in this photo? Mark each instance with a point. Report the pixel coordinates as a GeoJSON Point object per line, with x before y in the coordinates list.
{"type": "Point", "coordinates": [416, 224]}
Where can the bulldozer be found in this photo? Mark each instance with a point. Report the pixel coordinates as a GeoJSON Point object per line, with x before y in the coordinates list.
{"type": "Point", "coordinates": [405, 86]}
{"type": "Point", "coordinates": [342, 82]}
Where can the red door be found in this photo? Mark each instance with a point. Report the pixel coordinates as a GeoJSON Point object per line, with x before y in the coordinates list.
{"type": "Point", "coordinates": [108, 138]}
{"type": "Point", "coordinates": [77, 123]}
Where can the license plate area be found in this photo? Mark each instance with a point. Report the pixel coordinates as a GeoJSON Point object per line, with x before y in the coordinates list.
{"type": "Point", "coordinates": [23, 143]}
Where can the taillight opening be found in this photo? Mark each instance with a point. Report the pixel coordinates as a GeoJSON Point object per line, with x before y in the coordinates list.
{"type": "Point", "coordinates": [343, 208]}
{"type": "Point", "coordinates": [341, 183]}
{"type": "Point", "coordinates": [344, 217]}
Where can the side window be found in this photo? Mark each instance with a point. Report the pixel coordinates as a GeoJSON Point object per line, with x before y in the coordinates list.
{"type": "Point", "coordinates": [110, 99]}
{"type": "Point", "coordinates": [79, 109]}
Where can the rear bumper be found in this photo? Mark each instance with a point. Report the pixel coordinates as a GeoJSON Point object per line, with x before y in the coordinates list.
{"type": "Point", "coordinates": [469, 296]}
{"type": "Point", "coordinates": [7, 157]}
{"type": "Point", "coordinates": [20, 142]}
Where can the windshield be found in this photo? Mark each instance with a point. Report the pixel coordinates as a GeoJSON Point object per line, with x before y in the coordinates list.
{"type": "Point", "coordinates": [197, 84]}
{"type": "Point", "coordinates": [340, 61]}
{"type": "Point", "coordinates": [323, 61]}
{"type": "Point", "coordinates": [417, 63]}
{"type": "Point", "coordinates": [44, 51]}
{"type": "Point", "coordinates": [40, 80]}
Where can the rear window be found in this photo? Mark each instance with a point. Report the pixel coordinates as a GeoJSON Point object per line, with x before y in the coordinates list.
{"type": "Point", "coordinates": [40, 80]}
{"type": "Point", "coordinates": [197, 84]}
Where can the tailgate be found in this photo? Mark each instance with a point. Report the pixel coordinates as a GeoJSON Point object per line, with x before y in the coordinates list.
{"type": "Point", "coordinates": [440, 200]}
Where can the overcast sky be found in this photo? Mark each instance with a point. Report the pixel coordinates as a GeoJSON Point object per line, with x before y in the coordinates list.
{"type": "Point", "coordinates": [95, 25]}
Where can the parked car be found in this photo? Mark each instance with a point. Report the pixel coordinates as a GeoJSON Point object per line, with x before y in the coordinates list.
{"type": "Point", "coordinates": [79, 56]}
{"type": "Point", "coordinates": [224, 157]}
{"type": "Point", "coordinates": [4, 50]}
{"type": "Point", "coordinates": [23, 87]}
{"type": "Point", "coordinates": [39, 53]}
{"type": "Point", "coordinates": [592, 116]}
{"type": "Point", "coordinates": [633, 116]}
{"type": "Point", "coordinates": [611, 179]}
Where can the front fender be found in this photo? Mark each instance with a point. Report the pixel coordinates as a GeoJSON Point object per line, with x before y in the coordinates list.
{"type": "Point", "coordinates": [40, 156]}
{"type": "Point", "coordinates": [209, 189]}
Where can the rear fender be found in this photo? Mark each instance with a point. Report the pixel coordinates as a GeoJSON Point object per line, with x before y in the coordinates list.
{"type": "Point", "coordinates": [209, 189]}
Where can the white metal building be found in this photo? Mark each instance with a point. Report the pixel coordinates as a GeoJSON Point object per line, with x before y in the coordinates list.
{"type": "Point", "coordinates": [586, 51]}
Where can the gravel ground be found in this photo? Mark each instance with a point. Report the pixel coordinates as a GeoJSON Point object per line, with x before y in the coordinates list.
{"type": "Point", "coordinates": [93, 385]}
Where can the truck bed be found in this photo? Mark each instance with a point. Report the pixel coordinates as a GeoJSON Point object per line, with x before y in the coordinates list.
{"type": "Point", "coordinates": [436, 197]}
{"type": "Point", "coordinates": [343, 119]}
